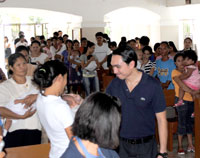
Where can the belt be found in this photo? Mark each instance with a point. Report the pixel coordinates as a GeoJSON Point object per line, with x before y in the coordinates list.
{"type": "Point", "coordinates": [138, 140]}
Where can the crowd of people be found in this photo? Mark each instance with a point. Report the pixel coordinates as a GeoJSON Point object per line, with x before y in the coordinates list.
{"type": "Point", "coordinates": [51, 83]}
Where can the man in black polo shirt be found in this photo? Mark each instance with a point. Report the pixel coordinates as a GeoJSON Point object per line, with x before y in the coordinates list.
{"type": "Point", "coordinates": [142, 101]}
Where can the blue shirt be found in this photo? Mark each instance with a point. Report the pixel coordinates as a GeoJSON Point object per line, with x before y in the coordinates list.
{"type": "Point", "coordinates": [72, 152]}
{"type": "Point", "coordinates": [164, 70]}
{"type": "Point", "coordinates": [138, 106]}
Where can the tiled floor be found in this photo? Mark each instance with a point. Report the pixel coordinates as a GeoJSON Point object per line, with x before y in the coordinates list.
{"type": "Point", "coordinates": [175, 147]}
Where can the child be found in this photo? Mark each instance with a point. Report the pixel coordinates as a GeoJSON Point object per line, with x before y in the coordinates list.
{"type": "Point", "coordinates": [73, 101]}
{"type": "Point", "coordinates": [76, 61]}
{"type": "Point", "coordinates": [140, 58]}
{"type": "Point", "coordinates": [18, 109]}
{"type": "Point", "coordinates": [191, 77]}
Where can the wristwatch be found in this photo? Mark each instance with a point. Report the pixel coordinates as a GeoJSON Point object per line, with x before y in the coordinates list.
{"type": "Point", "coordinates": [164, 155]}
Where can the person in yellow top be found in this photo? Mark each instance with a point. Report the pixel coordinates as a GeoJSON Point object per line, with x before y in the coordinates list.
{"type": "Point", "coordinates": [185, 122]}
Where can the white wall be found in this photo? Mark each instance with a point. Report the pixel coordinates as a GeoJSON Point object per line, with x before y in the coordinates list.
{"type": "Point", "coordinates": [92, 11]}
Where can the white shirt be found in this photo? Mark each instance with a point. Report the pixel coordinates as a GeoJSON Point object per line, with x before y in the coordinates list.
{"type": "Point", "coordinates": [10, 91]}
{"type": "Point", "coordinates": [55, 116]}
{"type": "Point", "coordinates": [54, 51]}
{"type": "Point", "coordinates": [21, 44]}
{"type": "Point", "coordinates": [101, 52]}
{"type": "Point", "coordinates": [41, 59]}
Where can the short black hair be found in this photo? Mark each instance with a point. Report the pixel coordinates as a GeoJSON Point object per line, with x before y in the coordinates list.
{"type": "Point", "coordinates": [127, 54]}
{"type": "Point", "coordinates": [42, 37]}
{"type": "Point", "coordinates": [45, 74]}
{"type": "Point", "coordinates": [112, 44]}
{"type": "Point", "coordinates": [55, 34]}
{"type": "Point", "coordinates": [65, 35]}
{"type": "Point", "coordinates": [156, 46]}
{"type": "Point", "coordinates": [191, 55]}
{"type": "Point", "coordinates": [56, 38]}
{"type": "Point", "coordinates": [178, 55]}
{"type": "Point", "coordinates": [98, 120]}
{"type": "Point", "coordinates": [21, 48]}
{"type": "Point", "coordinates": [83, 39]}
{"type": "Point", "coordinates": [99, 34]}
{"type": "Point", "coordinates": [165, 42]}
{"type": "Point", "coordinates": [35, 41]}
{"type": "Point", "coordinates": [144, 40]}
{"type": "Point", "coordinates": [132, 40]}
{"type": "Point", "coordinates": [61, 39]}
{"type": "Point", "coordinates": [148, 48]}
{"type": "Point", "coordinates": [21, 36]}
{"type": "Point", "coordinates": [75, 41]}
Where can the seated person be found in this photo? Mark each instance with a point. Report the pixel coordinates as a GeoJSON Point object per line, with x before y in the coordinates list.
{"type": "Point", "coordinates": [95, 128]}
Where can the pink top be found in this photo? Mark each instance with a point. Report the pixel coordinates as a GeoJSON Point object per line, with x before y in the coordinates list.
{"type": "Point", "coordinates": [194, 78]}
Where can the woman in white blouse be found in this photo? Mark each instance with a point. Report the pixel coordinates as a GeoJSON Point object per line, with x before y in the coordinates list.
{"type": "Point", "coordinates": [27, 131]}
{"type": "Point", "coordinates": [37, 57]}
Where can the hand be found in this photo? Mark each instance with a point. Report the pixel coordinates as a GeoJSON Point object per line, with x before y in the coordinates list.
{"type": "Point", "coordinates": [28, 100]}
{"type": "Point", "coordinates": [28, 113]}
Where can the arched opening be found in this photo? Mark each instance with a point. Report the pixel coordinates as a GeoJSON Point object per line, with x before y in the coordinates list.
{"type": "Point", "coordinates": [133, 22]}
{"type": "Point", "coordinates": [35, 22]}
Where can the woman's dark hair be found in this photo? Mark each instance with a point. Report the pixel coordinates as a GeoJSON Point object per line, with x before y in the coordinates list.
{"type": "Point", "coordinates": [191, 55]}
{"type": "Point", "coordinates": [45, 74]}
{"type": "Point", "coordinates": [127, 54]}
{"type": "Point", "coordinates": [12, 60]}
{"type": "Point", "coordinates": [156, 46]}
{"type": "Point", "coordinates": [89, 44]}
{"type": "Point", "coordinates": [148, 48]}
{"type": "Point", "coordinates": [187, 38]}
{"type": "Point", "coordinates": [178, 55]}
{"type": "Point", "coordinates": [35, 41]}
{"type": "Point", "coordinates": [171, 44]}
{"type": "Point", "coordinates": [21, 48]}
{"type": "Point", "coordinates": [98, 120]}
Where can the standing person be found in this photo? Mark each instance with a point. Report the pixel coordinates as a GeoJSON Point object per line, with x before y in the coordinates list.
{"type": "Point", "coordinates": [30, 67]}
{"type": "Point", "coordinates": [27, 131]}
{"type": "Point", "coordinates": [147, 65]}
{"type": "Point", "coordinates": [187, 44]}
{"type": "Point", "coordinates": [7, 48]}
{"type": "Point", "coordinates": [54, 114]}
{"type": "Point", "coordinates": [142, 101]}
{"type": "Point", "coordinates": [98, 133]}
{"type": "Point", "coordinates": [101, 50]}
{"type": "Point", "coordinates": [164, 67]}
{"type": "Point", "coordinates": [191, 76]}
{"type": "Point", "coordinates": [172, 50]}
{"type": "Point", "coordinates": [89, 64]}
{"type": "Point", "coordinates": [83, 44]}
{"type": "Point", "coordinates": [22, 42]}
{"type": "Point", "coordinates": [185, 122]}
{"type": "Point", "coordinates": [37, 57]}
